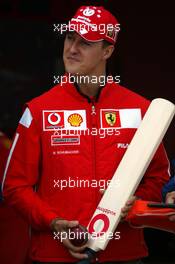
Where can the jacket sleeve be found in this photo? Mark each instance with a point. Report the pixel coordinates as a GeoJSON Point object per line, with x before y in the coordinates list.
{"type": "Point", "coordinates": [155, 177]}
{"type": "Point", "coordinates": [22, 173]}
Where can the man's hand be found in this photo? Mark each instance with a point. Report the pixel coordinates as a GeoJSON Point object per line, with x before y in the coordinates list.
{"type": "Point", "coordinates": [60, 226]}
{"type": "Point", "coordinates": [170, 199]}
{"type": "Point", "coordinates": [127, 207]}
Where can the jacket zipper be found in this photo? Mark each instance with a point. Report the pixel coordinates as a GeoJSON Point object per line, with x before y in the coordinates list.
{"type": "Point", "coordinates": [94, 125]}
{"type": "Point", "coordinates": [93, 109]}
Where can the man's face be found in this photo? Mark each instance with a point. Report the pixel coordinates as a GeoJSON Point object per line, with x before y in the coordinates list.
{"type": "Point", "coordinates": [82, 57]}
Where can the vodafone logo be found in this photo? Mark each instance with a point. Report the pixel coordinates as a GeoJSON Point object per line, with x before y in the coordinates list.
{"type": "Point", "coordinates": [88, 12]}
{"type": "Point", "coordinates": [99, 225]}
{"type": "Point", "coordinates": [54, 119]}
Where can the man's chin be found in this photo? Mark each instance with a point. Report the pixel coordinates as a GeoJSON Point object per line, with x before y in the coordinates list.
{"type": "Point", "coordinates": [70, 69]}
{"type": "Point", "coordinates": [73, 72]}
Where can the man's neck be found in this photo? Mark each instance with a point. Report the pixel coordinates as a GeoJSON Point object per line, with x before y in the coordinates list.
{"type": "Point", "coordinates": [91, 86]}
{"type": "Point", "coordinates": [91, 90]}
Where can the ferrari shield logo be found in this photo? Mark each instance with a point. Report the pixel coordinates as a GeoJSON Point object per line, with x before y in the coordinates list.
{"type": "Point", "coordinates": [110, 118]}
{"type": "Point", "coordinates": [110, 33]}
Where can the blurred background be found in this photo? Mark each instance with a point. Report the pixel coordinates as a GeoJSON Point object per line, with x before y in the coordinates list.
{"type": "Point", "coordinates": [31, 55]}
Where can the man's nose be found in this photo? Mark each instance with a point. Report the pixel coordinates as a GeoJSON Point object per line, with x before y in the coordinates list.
{"type": "Point", "coordinates": [74, 48]}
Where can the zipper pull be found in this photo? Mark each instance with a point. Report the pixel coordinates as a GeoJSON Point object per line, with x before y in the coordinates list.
{"type": "Point", "coordinates": [93, 110]}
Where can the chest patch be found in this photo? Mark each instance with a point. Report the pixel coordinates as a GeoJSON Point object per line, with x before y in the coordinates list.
{"type": "Point", "coordinates": [64, 119]}
{"type": "Point", "coordinates": [120, 118]}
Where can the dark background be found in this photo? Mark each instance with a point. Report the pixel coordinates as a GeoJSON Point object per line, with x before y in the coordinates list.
{"type": "Point", "coordinates": [31, 54]}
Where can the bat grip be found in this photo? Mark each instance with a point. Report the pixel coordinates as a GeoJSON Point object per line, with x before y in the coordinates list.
{"type": "Point", "coordinates": [91, 255]}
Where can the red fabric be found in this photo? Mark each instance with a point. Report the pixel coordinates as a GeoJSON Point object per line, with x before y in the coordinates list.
{"type": "Point", "coordinates": [143, 216]}
{"type": "Point", "coordinates": [95, 24]}
{"type": "Point", "coordinates": [41, 157]}
{"type": "Point", "coordinates": [4, 150]}
{"type": "Point", "coordinates": [14, 238]}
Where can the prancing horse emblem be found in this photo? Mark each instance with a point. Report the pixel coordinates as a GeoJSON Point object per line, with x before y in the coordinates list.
{"type": "Point", "coordinates": [110, 118]}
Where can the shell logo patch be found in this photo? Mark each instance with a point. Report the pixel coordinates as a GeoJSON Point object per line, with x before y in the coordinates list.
{"type": "Point", "coordinates": [75, 120]}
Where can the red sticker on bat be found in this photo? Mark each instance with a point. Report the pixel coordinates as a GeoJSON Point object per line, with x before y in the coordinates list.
{"type": "Point", "coordinates": [106, 223]}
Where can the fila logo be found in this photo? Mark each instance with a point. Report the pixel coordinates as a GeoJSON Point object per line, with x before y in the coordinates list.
{"type": "Point", "coordinates": [122, 145]}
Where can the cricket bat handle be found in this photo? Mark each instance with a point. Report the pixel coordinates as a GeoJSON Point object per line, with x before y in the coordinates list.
{"type": "Point", "coordinates": [91, 255]}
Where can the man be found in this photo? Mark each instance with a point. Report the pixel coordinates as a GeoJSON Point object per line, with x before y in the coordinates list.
{"type": "Point", "coordinates": [79, 131]}
{"type": "Point", "coordinates": [170, 197]}
{"type": "Point", "coordinates": [168, 193]}
{"type": "Point", "coordinates": [168, 190]}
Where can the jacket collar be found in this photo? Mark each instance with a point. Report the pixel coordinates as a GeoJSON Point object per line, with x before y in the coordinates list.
{"type": "Point", "coordinates": [73, 89]}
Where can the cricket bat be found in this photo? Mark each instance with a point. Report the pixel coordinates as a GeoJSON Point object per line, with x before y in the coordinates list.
{"type": "Point", "coordinates": [128, 174]}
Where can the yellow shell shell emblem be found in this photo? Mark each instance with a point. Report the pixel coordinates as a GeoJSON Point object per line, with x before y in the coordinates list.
{"type": "Point", "coordinates": [75, 120]}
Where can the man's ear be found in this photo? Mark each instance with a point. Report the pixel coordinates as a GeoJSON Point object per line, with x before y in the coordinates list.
{"type": "Point", "coordinates": [108, 51]}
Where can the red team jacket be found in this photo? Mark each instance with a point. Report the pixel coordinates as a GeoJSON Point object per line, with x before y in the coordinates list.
{"type": "Point", "coordinates": [4, 150]}
{"type": "Point", "coordinates": [64, 137]}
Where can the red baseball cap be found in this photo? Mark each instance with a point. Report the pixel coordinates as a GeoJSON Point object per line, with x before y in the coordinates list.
{"type": "Point", "coordinates": [95, 23]}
